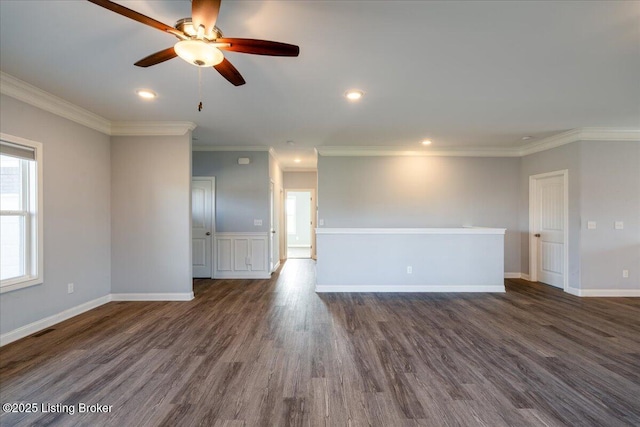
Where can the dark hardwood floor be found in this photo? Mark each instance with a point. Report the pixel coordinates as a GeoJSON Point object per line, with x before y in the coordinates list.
{"type": "Point", "coordinates": [274, 353]}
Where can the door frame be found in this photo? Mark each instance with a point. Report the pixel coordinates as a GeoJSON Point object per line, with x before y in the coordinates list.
{"type": "Point", "coordinates": [533, 209]}
{"type": "Point", "coordinates": [274, 231]}
{"type": "Point", "coordinates": [212, 179]}
{"type": "Point", "coordinates": [312, 207]}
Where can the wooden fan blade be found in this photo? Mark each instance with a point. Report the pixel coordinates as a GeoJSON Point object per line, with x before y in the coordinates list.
{"type": "Point", "coordinates": [205, 13]}
{"type": "Point", "coordinates": [229, 72]}
{"type": "Point", "coordinates": [259, 47]}
{"type": "Point", "coordinates": [158, 57]}
{"type": "Point", "coordinates": [124, 11]}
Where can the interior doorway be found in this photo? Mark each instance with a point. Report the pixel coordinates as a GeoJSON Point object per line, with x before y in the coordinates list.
{"type": "Point", "coordinates": [299, 220]}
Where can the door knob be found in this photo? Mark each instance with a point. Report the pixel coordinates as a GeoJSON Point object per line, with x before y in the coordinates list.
{"type": "Point", "coordinates": [273, 231]}
{"type": "Point", "coordinates": [537, 234]}
{"type": "Point", "coordinates": [208, 233]}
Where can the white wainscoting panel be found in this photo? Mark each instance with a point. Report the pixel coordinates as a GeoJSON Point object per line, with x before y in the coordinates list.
{"type": "Point", "coordinates": [241, 256]}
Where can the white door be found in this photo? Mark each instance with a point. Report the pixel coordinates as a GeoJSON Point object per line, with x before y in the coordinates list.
{"type": "Point", "coordinates": [202, 214]}
{"type": "Point", "coordinates": [549, 230]}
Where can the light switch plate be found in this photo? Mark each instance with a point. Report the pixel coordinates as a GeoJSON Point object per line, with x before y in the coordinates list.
{"type": "Point", "coordinates": [321, 222]}
{"type": "Point", "coordinates": [618, 225]}
{"type": "Point", "coordinates": [591, 225]}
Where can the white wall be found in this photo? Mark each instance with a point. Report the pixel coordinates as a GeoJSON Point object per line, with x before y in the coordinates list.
{"type": "Point", "coordinates": [151, 214]}
{"type": "Point", "coordinates": [77, 223]}
{"type": "Point", "coordinates": [422, 192]}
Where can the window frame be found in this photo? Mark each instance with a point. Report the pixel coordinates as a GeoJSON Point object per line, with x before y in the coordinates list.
{"type": "Point", "coordinates": [34, 219]}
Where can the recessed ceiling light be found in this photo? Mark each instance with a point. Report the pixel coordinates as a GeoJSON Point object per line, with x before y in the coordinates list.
{"type": "Point", "coordinates": [297, 160]}
{"type": "Point", "coordinates": [146, 93]}
{"type": "Point", "coordinates": [354, 94]}
{"type": "Point", "coordinates": [426, 142]}
{"type": "Point", "coordinates": [526, 138]}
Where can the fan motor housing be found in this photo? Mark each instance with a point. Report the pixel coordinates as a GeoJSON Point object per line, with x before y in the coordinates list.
{"type": "Point", "coordinates": [186, 26]}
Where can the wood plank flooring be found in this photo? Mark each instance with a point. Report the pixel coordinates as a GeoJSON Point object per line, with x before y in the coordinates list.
{"type": "Point", "coordinates": [274, 353]}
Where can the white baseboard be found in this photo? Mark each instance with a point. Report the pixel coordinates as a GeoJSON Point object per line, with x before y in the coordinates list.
{"type": "Point", "coordinates": [242, 275]}
{"type": "Point", "coordinates": [186, 296]}
{"type": "Point", "coordinates": [573, 291]}
{"type": "Point", "coordinates": [39, 325]}
{"type": "Point", "coordinates": [525, 276]}
{"type": "Point", "coordinates": [408, 288]}
{"type": "Point", "coordinates": [275, 267]}
{"type": "Point", "coordinates": [512, 275]}
{"type": "Point", "coordinates": [47, 322]}
{"type": "Point", "coordinates": [604, 292]}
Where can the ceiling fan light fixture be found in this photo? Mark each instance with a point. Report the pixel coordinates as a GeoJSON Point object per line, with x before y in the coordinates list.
{"type": "Point", "coordinates": [146, 94]}
{"type": "Point", "coordinates": [199, 53]}
{"type": "Point", "coordinates": [354, 94]}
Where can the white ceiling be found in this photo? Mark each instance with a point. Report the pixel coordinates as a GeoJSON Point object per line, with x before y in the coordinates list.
{"type": "Point", "coordinates": [464, 74]}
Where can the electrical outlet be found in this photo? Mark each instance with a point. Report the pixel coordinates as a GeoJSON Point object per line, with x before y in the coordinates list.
{"type": "Point", "coordinates": [591, 225]}
{"type": "Point", "coordinates": [625, 274]}
{"type": "Point", "coordinates": [69, 288]}
{"type": "Point", "coordinates": [257, 222]}
{"type": "Point", "coordinates": [618, 225]}
{"type": "Point", "coordinates": [321, 222]}
{"type": "Point", "coordinates": [409, 269]}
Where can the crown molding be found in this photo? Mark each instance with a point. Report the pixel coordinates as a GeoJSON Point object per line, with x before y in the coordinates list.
{"type": "Point", "coordinates": [32, 95]}
{"type": "Point", "coordinates": [23, 91]}
{"type": "Point", "coordinates": [231, 148]}
{"type": "Point", "coordinates": [410, 151]}
{"type": "Point", "coordinates": [29, 94]}
{"type": "Point", "coordinates": [301, 169]}
{"type": "Point", "coordinates": [580, 134]}
{"type": "Point", "coordinates": [151, 128]}
{"type": "Point", "coordinates": [553, 141]}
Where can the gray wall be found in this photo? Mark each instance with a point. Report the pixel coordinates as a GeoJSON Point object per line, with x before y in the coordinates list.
{"type": "Point", "coordinates": [604, 186]}
{"type": "Point", "coordinates": [151, 214]}
{"type": "Point", "coordinates": [77, 224]}
{"type": "Point", "coordinates": [418, 192]}
{"type": "Point", "coordinates": [242, 191]}
{"type": "Point", "coordinates": [299, 180]}
{"type": "Point", "coordinates": [564, 157]}
{"type": "Point", "coordinates": [610, 181]}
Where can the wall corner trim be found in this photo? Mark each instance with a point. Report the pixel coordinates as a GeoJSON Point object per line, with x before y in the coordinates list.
{"type": "Point", "coordinates": [23, 91]}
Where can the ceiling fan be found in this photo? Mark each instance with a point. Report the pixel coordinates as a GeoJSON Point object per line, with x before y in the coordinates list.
{"type": "Point", "coordinates": [200, 41]}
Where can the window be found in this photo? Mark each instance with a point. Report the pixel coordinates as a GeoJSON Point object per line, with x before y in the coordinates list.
{"type": "Point", "coordinates": [291, 214]}
{"type": "Point", "coordinates": [20, 213]}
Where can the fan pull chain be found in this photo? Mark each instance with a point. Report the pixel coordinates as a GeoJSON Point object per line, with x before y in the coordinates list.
{"type": "Point", "coordinates": [200, 88]}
